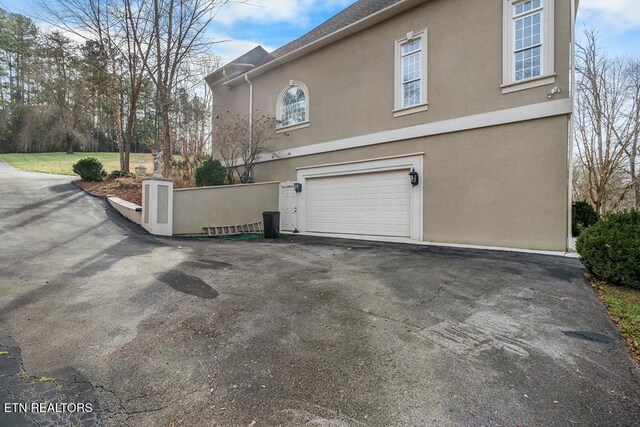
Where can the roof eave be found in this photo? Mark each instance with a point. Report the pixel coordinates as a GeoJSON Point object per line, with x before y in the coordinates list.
{"type": "Point", "coordinates": [219, 75]}
{"type": "Point", "coordinates": [215, 77]}
{"type": "Point", "coordinates": [364, 23]}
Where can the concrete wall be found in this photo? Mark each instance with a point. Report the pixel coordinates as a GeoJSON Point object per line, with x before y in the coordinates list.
{"type": "Point", "coordinates": [498, 186]}
{"type": "Point", "coordinates": [351, 82]}
{"type": "Point", "coordinates": [194, 208]}
{"type": "Point", "coordinates": [126, 209]}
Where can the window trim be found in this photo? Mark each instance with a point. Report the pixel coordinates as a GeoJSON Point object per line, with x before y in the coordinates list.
{"type": "Point", "coordinates": [399, 109]}
{"type": "Point", "coordinates": [294, 126]}
{"type": "Point", "coordinates": [547, 72]}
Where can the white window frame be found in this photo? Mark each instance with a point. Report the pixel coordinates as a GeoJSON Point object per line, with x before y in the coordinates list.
{"type": "Point", "coordinates": [547, 73]}
{"type": "Point", "coordinates": [302, 125]}
{"type": "Point", "coordinates": [399, 108]}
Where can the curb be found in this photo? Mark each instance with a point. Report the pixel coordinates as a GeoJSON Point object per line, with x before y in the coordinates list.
{"type": "Point", "coordinates": [98, 196]}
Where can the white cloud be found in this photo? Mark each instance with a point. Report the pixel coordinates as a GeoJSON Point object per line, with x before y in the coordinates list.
{"type": "Point", "coordinates": [76, 35]}
{"type": "Point", "coordinates": [233, 48]}
{"type": "Point", "coordinates": [618, 15]}
{"type": "Point", "coordinates": [294, 12]}
{"type": "Point", "coordinates": [238, 15]}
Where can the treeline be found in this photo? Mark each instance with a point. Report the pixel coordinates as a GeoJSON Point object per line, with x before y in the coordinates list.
{"type": "Point", "coordinates": [89, 87]}
{"type": "Point", "coordinates": [49, 92]}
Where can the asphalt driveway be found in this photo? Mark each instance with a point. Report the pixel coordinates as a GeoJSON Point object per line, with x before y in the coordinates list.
{"type": "Point", "coordinates": [299, 331]}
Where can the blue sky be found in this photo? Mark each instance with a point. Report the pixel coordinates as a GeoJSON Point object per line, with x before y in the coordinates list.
{"type": "Point", "coordinates": [273, 23]}
{"type": "Point", "coordinates": [618, 23]}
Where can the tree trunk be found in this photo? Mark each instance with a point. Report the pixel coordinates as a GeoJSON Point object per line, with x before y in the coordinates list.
{"type": "Point", "coordinates": [166, 130]}
{"type": "Point", "coordinates": [114, 97]}
{"type": "Point", "coordinates": [634, 155]}
{"type": "Point", "coordinates": [124, 158]}
{"type": "Point", "coordinates": [125, 150]}
{"type": "Point", "coordinates": [634, 178]}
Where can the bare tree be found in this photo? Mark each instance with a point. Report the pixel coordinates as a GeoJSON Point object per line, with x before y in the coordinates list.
{"type": "Point", "coordinates": [191, 114]}
{"type": "Point", "coordinates": [240, 142]}
{"type": "Point", "coordinates": [192, 117]}
{"type": "Point", "coordinates": [112, 24]}
{"type": "Point", "coordinates": [175, 36]}
{"type": "Point", "coordinates": [604, 125]}
{"type": "Point", "coordinates": [632, 148]}
{"type": "Point", "coordinates": [225, 143]}
{"type": "Point", "coordinates": [132, 21]}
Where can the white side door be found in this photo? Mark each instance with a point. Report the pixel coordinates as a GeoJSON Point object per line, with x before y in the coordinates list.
{"type": "Point", "coordinates": [288, 207]}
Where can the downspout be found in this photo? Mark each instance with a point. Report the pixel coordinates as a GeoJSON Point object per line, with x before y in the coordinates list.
{"type": "Point", "coordinates": [213, 123]}
{"type": "Point", "coordinates": [213, 126]}
{"type": "Point", "coordinates": [246, 78]}
{"type": "Point", "coordinates": [572, 93]}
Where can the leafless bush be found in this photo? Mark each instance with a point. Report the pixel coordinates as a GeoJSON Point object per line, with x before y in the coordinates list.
{"type": "Point", "coordinates": [241, 141]}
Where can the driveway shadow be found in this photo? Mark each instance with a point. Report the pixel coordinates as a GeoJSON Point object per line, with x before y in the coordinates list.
{"type": "Point", "coordinates": [186, 284]}
{"type": "Point", "coordinates": [64, 191]}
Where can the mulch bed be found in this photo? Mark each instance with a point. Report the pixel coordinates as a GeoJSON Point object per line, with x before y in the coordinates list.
{"type": "Point", "coordinates": [129, 189]}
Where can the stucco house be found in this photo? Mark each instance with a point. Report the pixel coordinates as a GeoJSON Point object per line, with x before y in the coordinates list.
{"type": "Point", "coordinates": [474, 96]}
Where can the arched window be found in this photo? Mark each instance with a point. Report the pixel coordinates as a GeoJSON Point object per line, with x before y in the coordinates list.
{"type": "Point", "coordinates": [293, 105]}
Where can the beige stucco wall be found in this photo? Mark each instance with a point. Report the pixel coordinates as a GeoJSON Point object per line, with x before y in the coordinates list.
{"type": "Point", "coordinates": [195, 208]}
{"type": "Point", "coordinates": [499, 186]}
{"type": "Point", "coordinates": [351, 82]}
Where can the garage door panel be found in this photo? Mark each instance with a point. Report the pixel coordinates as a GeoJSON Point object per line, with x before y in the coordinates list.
{"type": "Point", "coordinates": [368, 204]}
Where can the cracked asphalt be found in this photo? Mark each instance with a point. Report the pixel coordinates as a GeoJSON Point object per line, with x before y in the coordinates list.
{"type": "Point", "coordinates": [17, 386]}
{"type": "Point", "coordinates": [298, 331]}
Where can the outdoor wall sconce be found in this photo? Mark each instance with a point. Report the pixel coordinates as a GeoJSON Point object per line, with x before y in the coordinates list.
{"type": "Point", "coordinates": [298, 187]}
{"type": "Point", "coordinates": [554, 91]}
{"type": "Point", "coordinates": [415, 178]}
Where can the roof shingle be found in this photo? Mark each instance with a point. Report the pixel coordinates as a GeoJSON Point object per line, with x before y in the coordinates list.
{"type": "Point", "coordinates": [357, 11]}
{"type": "Point", "coordinates": [258, 56]}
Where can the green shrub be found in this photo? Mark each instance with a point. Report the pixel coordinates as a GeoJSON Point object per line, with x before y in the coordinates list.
{"type": "Point", "coordinates": [90, 169]}
{"type": "Point", "coordinates": [119, 174]}
{"type": "Point", "coordinates": [210, 173]}
{"type": "Point", "coordinates": [610, 249]}
{"type": "Point", "coordinates": [582, 216]}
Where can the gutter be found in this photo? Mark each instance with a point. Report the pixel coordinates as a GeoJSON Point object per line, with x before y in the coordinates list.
{"type": "Point", "coordinates": [350, 29]}
{"type": "Point", "coordinates": [223, 72]}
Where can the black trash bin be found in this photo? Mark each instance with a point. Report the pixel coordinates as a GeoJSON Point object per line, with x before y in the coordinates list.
{"type": "Point", "coordinates": [271, 224]}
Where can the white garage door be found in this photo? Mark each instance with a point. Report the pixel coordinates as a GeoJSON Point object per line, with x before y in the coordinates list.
{"type": "Point", "coordinates": [376, 204]}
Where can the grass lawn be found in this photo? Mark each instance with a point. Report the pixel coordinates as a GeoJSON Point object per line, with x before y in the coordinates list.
{"type": "Point", "coordinates": [62, 163]}
{"type": "Point", "coordinates": [624, 307]}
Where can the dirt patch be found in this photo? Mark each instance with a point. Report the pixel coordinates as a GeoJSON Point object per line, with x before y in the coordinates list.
{"type": "Point", "coordinates": [129, 189]}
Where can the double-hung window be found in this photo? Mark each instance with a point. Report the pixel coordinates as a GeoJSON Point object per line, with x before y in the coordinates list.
{"type": "Point", "coordinates": [528, 45]}
{"type": "Point", "coordinates": [411, 70]}
{"type": "Point", "coordinates": [528, 40]}
{"type": "Point", "coordinates": [411, 73]}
